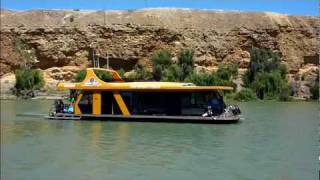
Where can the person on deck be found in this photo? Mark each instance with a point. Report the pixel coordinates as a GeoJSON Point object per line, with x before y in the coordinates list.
{"type": "Point", "coordinates": [216, 103]}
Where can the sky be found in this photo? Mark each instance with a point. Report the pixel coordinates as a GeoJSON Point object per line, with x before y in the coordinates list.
{"type": "Point", "coordinates": [293, 7]}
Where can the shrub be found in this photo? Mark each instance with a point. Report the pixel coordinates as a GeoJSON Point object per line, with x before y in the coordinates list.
{"type": "Point", "coordinates": [173, 73]}
{"type": "Point", "coordinates": [245, 95]}
{"type": "Point", "coordinates": [161, 60]}
{"type": "Point", "coordinates": [162, 57]}
{"type": "Point", "coordinates": [28, 79]}
{"type": "Point", "coordinates": [140, 73]}
{"type": "Point", "coordinates": [186, 62]}
{"type": "Point", "coordinates": [266, 76]}
{"type": "Point", "coordinates": [261, 60]}
{"type": "Point", "coordinates": [268, 84]}
{"type": "Point", "coordinates": [227, 72]}
{"type": "Point", "coordinates": [208, 79]}
{"type": "Point", "coordinates": [157, 72]}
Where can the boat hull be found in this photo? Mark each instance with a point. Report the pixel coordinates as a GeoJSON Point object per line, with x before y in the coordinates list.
{"type": "Point", "coordinates": [149, 118]}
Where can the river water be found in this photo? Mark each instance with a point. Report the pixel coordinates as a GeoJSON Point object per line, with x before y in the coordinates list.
{"type": "Point", "coordinates": [275, 141]}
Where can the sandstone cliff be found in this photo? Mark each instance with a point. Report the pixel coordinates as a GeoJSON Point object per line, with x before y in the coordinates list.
{"type": "Point", "coordinates": [59, 38]}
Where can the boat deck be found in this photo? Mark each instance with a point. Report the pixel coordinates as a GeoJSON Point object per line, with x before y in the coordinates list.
{"type": "Point", "coordinates": [148, 118]}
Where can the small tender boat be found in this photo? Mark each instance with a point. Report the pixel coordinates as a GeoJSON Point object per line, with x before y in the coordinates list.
{"type": "Point", "coordinates": [95, 99]}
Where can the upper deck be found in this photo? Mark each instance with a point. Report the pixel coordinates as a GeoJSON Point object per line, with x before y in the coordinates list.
{"type": "Point", "coordinates": [92, 82]}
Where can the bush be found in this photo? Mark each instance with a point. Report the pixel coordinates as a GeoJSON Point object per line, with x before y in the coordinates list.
{"type": "Point", "coordinates": [262, 60]}
{"type": "Point", "coordinates": [227, 72]}
{"type": "Point", "coordinates": [268, 84]}
{"type": "Point", "coordinates": [174, 73]}
{"type": "Point", "coordinates": [245, 95]}
{"type": "Point", "coordinates": [161, 60]}
{"type": "Point", "coordinates": [208, 79]}
{"type": "Point", "coordinates": [162, 57]}
{"type": "Point", "coordinates": [266, 76]}
{"type": "Point", "coordinates": [140, 73]}
{"type": "Point", "coordinates": [28, 79]}
{"type": "Point", "coordinates": [186, 62]}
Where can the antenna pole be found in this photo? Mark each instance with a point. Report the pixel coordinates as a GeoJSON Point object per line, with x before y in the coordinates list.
{"type": "Point", "coordinates": [94, 64]}
{"type": "Point", "coordinates": [107, 61]}
{"type": "Point", "coordinates": [98, 63]}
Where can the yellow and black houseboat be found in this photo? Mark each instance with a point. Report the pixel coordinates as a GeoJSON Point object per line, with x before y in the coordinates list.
{"type": "Point", "coordinates": [144, 101]}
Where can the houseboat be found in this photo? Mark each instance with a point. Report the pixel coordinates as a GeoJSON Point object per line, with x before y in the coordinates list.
{"type": "Point", "coordinates": [95, 99]}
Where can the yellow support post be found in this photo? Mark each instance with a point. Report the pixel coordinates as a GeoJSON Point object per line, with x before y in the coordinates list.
{"type": "Point", "coordinates": [77, 110]}
{"type": "Point", "coordinates": [121, 103]}
{"type": "Point", "coordinates": [96, 103]}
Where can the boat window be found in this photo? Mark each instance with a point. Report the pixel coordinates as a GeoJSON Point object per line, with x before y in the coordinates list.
{"type": "Point", "coordinates": [194, 103]}
{"type": "Point", "coordinates": [194, 100]}
{"type": "Point", "coordinates": [85, 103]}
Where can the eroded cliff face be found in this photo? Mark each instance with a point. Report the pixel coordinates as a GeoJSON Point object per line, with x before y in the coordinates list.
{"type": "Point", "coordinates": [64, 38]}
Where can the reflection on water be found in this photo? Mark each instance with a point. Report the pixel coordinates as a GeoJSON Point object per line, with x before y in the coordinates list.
{"type": "Point", "coordinates": [276, 141]}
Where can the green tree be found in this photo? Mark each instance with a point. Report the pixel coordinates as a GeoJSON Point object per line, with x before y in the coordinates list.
{"type": "Point", "coordinates": [140, 73]}
{"type": "Point", "coordinates": [227, 72]}
{"type": "Point", "coordinates": [261, 60]}
{"type": "Point", "coordinates": [245, 95]}
{"type": "Point", "coordinates": [267, 76]}
{"type": "Point", "coordinates": [173, 73]}
{"type": "Point", "coordinates": [268, 85]}
{"type": "Point", "coordinates": [208, 79]}
{"type": "Point", "coordinates": [186, 61]}
{"type": "Point", "coordinates": [28, 79]}
{"type": "Point", "coordinates": [161, 60]}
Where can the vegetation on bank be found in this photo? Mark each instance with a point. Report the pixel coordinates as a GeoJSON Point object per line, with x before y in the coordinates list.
{"type": "Point", "coordinates": [27, 81]}
{"type": "Point", "coordinates": [266, 77]}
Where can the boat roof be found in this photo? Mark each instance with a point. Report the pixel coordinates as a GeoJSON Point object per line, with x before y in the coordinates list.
{"type": "Point", "coordinates": [92, 82]}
